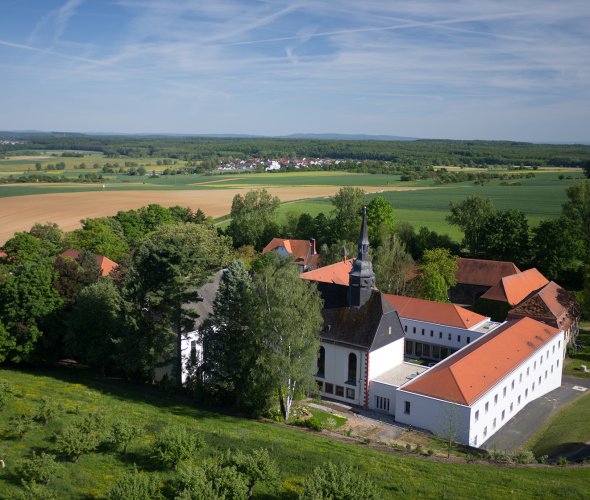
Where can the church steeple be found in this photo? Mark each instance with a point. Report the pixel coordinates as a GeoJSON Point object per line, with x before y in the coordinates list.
{"type": "Point", "coordinates": [361, 278]}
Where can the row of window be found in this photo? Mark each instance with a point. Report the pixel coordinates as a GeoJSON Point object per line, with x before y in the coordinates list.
{"type": "Point", "coordinates": [382, 403]}
{"type": "Point", "coordinates": [424, 350]}
{"type": "Point", "coordinates": [526, 394]}
{"type": "Point", "coordinates": [440, 334]}
{"type": "Point", "coordinates": [340, 391]}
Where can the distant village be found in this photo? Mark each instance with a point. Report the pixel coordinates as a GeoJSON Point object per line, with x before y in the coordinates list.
{"type": "Point", "coordinates": [270, 164]}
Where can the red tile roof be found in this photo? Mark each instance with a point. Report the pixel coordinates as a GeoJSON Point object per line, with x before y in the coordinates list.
{"type": "Point", "coordinates": [3, 254]}
{"type": "Point", "coordinates": [334, 273]}
{"type": "Point", "coordinates": [434, 312]}
{"type": "Point", "coordinates": [467, 375]}
{"type": "Point", "coordinates": [552, 305]}
{"type": "Point", "coordinates": [300, 249]}
{"type": "Point", "coordinates": [483, 272]}
{"type": "Point", "coordinates": [513, 289]}
{"type": "Point", "coordinates": [106, 265]}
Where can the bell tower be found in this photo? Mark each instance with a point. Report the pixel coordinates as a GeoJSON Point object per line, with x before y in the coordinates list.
{"type": "Point", "coordinates": [361, 279]}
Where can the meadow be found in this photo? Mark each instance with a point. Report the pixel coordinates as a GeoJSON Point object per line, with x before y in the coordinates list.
{"type": "Point", "coordinates": [296, 451]}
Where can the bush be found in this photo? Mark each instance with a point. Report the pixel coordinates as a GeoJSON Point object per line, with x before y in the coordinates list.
{"type": "Point", "coordinates": [214, 480]}
{"type": "Point", "coordinates": [330, 423]}
{"type": "Point", "coordinates": [500, 457]}
{"type": "Point", "coordinates": [123, 432]}
{"type": "Point", "coordinates": [135, 486]}
{"type": "Point", "coordinates": [21, 424]}
{"type": "Point", "coordinates": [7, 392]}
{"type": "Point", "coordinates": [314, 424]}
{"type": "Point", "coordinates": [338, 481]}
{"type": "Point", "coordinates": [175, 444]}
{"type": "Point", "coordinates": [34, 491]}
{"type": "Point", "coordinates": [75, 440]}
{"type": "Point", "coordinates": [46, 411]}
{"type": "Point", "coordinates": [561, 461]}
{"type": "Point", "coordinates": [256, 466]}
{"type": "Point", "coordinates": [525, 457]}
{"type": "Point", "coordinates": [38, 469]}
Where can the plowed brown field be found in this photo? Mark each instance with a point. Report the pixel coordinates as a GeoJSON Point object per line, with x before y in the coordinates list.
{"type": "Point", "coordinates": [20, 213]}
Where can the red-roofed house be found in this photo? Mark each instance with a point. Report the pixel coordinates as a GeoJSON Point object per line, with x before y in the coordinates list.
{"type": "Point", "coordinates": [552, 305]}
{"type": "Point", "coordinates": [435, 330]}
{"type": "Point", "coordinates": [106, 265]}
{"type": "Point", "coordinates": [482, 386]}
{"type": "Point", "coordinates": [476, 276]}
{"type": "Point", "coordinates": [337, 274]}
{"type": "Point", "coordinates": [303, 251]}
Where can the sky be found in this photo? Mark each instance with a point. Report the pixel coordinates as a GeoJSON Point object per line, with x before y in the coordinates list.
{"type": "Point", "coordinates": [465, 69]}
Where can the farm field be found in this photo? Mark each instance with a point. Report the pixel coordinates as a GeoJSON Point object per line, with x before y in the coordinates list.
{"type": "Point", "coordinates": [296, 451]}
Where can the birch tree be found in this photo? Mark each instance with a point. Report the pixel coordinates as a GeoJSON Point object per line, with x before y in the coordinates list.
{"type": "Point", "coordinates": [286, 323]}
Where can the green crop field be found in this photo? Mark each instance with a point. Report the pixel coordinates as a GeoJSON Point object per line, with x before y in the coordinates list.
{"type": "Point", "coordinates": [296, 451]}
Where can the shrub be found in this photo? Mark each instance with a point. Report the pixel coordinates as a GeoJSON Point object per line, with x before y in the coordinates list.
{"type": "Point", "coordinates": [500, 456]}
{"type": "Point", "coordinates": [543, 459]}
{"type": "Point", "coordinates": [34, 491]}
{"type": "Point", "coordinates": [123, 432]}
{"type": "Point", "coordinates": [46, 410]}
{"type": "Point", "coordinates": [525, 457]}
{"type": "Point", "coordinates": [38, 469]}
{"type": "Point", "coordinates": [7, 392]}
{"type": "Point", "coordinates": [330, 423]}
{"type": "Point", "coordinates": [430, 453]}
{"type": "Point", "coordinates": [314, 424]}
{"type": "Point", "coordinates": [256, 466]}
{"type": "Point", "coordinates": [175, 444]}
{"type": "Point", "coordinates": [338, 481]}
{"type": "Point", "coordinates": [135, 486]}
{"type": "Point", "coordinates": [21, 424]}
{"type": "Point", "coordinates": [74, 440]}
{"type": "Point", "coordinates": [561, 461]}
{"type": "Point", "coordinates": [214, 480]}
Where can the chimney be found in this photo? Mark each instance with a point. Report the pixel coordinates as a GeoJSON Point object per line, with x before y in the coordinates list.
{"type": "Point", "coordinates": [312, 249]}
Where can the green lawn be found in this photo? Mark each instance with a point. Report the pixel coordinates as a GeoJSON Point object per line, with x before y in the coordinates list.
{"type": "Point", "coordinates": [581, 356]}
{"type": "Point", "coordinates": [565, 432]}
{"type": "Point", "coordinates": [297, 451]}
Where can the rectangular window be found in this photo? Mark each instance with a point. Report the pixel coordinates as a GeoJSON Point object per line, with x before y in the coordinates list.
{"type": "Point", "coordinates": [414, 330]}
{"type": "Point", "coordinates": [553, 350]}
{"type": "Point", "coordinates": [418, 349]}
{"type": "Point", "coordinates": [449, 336]}
{"type": "Point", "coordinates": [533, 387]}
{"type": "Point", "coordinates": [469, 340]}
{"type": "Point", "coordinates": [436, 352]}
{"type": "Point", "coordinates": [551, 368]}
{"type": "Point", "coordinates": [458, 338]}
{"type": "Point", "coordinates": [426, 350]}
{"type": "Point", "coordinates": [422, 331]}
{"type": "Point", "coordinates": [349, 393]}
{"type": "Point", "coordinates": [539, 379]}
{"type": "Point", "coordinates": [512, 386]}
{"type": "Point", "coordinates": [432, 333]}
{"type": "Point", "coordinates": [382, 403]}
{"type": "Point", "coordinates": [559, 344]}
{"type": "Point", "coordinates": [535, 365]}
{"type": "Point", "coordinates": [339, 391]}
{"type": "Point", "coordinates": [487, 407]}
{"type": "Point", "coordinates": [503, 414]}
{"type": "Point", "coordinates": [485, 431]}
{"type": "Point", "coordinates": [407, 407]}
{"type": "Point", "coordinates": [528, 368]}
{"type": "Point", "coordinates": [475, 441]}
{"type": "Point", "coordinates": [526, 393]}
{"type": "Point", "coordinates": [477, 415]}
{"type": "Point", "coordinates": [495, 423]}
{"type": "Point", "coordinates": [511, 407]}
{"type": "Point", "coordinates": [518, 399]}
{"type": "Point", "coordinates": [520, 378]}
{"type": "Point", "coordinates": [409, 347]}
{"type": "Point", "coordinates": [504, 392]}
{"type": "Point", "coordinates": [406, 328]}
{"type": "Point", "coordinates": [329, 388]}
{"type": "Point", "coordinates": [440, 335]}
{"type": "Point", "coordinates": [496, 399]}
{"type": "Point", "coordinates": [444, 352]}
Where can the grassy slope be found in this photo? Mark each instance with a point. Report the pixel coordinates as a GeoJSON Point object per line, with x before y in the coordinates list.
{"type": "Point", "coordinates": [566, 431]}
{"type": "Point", "coordinates": [296, 451]}
{"type": "Point", "coordinates": [581, 357]}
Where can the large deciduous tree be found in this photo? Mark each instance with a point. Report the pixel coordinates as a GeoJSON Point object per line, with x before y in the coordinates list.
{"type": "Point", "coordinates": [102, 236]}
{"type": "Point", "coordinates": [506, 237]}
{"type": "Point", "coordinates": [392, 265]}
{"type": "Point", "coordinates": [348, 204]}
{"type": "Point", "coordinates": [437, 274]}
{"type": "Point", "coordinates": [471, 216]}
{"type": "Point", "coordinates": [577, 209]}
{"type": "Point", "coordinates": [286, 321]}
{"type": "Point", "coordinates": [250, 214]}
{"type": "Point", "coordinates": [380, 219]}
{"type": "Point", "coordinates": [167, 269]}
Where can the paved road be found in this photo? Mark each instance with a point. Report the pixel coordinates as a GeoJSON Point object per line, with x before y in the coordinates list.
{"type": "Point", "coordinates": [525, 423]}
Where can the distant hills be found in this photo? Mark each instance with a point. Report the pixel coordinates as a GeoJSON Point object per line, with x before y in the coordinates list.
{"type": "Point", "coordinates": [349, 137]}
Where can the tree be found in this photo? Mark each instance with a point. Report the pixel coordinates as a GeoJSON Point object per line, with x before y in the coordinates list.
{"type": "Point", "coordinates": [577, 210]}
{"type": "Point", "coordinates": [74, 440]}
{"type": "Point", "coordinates": [75, 274]}
{"type": "Point", "coordinates": [229, 352]}
{"type": "Point", "coordinates": [175, 444]}
{"type": "Point", "coordinates": [38, 469]}
{"type": "Point", "coordinates": [471, 215]}
{"type": "Point", "coordinates": [556, 246]}
{"type": "Point", "coordinates": [167, 268]}
{"type": "Point", "coordinates": [438, 274]}
{"type": "Point", "coordinates": [341, 481]}
{"type": "Point", "coordinates": [23, 248]}
{"type": "Point", "coordinates": [102, 236]}
{"type": "Point", "coordinates": [256, 466]}
{"type": "Point", "coordinates": [286, 321]}
{"type": "Point", "coordinates": [348, 204]}
{"type": "Point", "coordinates": [305, 227]}
{"type": "Point", "coordinates": [51, 235]}
{"type": "Point", "coordinates": [214, 480]}
{"type": "Point", "coordinates": [250, 214]}
{"type": "Point", "coordinates": [46, 410]}
{"type": "Point", "coordinates": [7, 392]}
{"type": "Point", "coordinates": [392, 265]}
{"type": "Point", "coordinates": [34, 491]}
{"type": "Point", "coordinates": [135, 486]}
{"type": "Point", "coordinates": [27, 299]}
{"type": "Point", "coordinates": [380, 219]}
{"type": "Point", "coordinates": [123, 432]}
{"type": "Point", "coordinates": [101, 306]}
{"type": "Point", "coordinates": [21, 424]}
{"type": "Point", "coordinates": [506, 237]}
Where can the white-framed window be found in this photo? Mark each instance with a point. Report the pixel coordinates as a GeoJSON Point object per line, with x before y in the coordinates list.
{"type": "Point", "coordinates": [458, 338]}
{"type": "Point", "coordinates": [382, 403]}
{"type": "Point", "coordinates": [504, 392]}
{"type": "Point", "coordinates": [485, 431]}
{"type": "Point", "coordinates": [511, 407]}
{"type": "Point", "coordinates": [477, 415]}
{"type": "Point", "coordinates": [475, 441]}
{"type": "Point", "coordinates": [496, 399]}
{"type": "Point", "coordinates": [495, 423]}
{"type": "Point", "coordinates": [407, 407]}
{"type": "Point", "coordinates": [512, 386]}
{"type": "Point", "coordinates": [487, 406]}
{"type": "Point", "coordinates": [503, 415]}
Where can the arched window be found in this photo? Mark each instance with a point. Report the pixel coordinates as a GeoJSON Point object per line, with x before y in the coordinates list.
{"type": "Point", "coordinates": [321, 361]}
{"type": "Point", "coordinates": [351, 369]}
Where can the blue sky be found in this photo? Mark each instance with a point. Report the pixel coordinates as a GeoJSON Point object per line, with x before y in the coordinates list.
{"type": "Point", "coordinates": [484, 69]}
